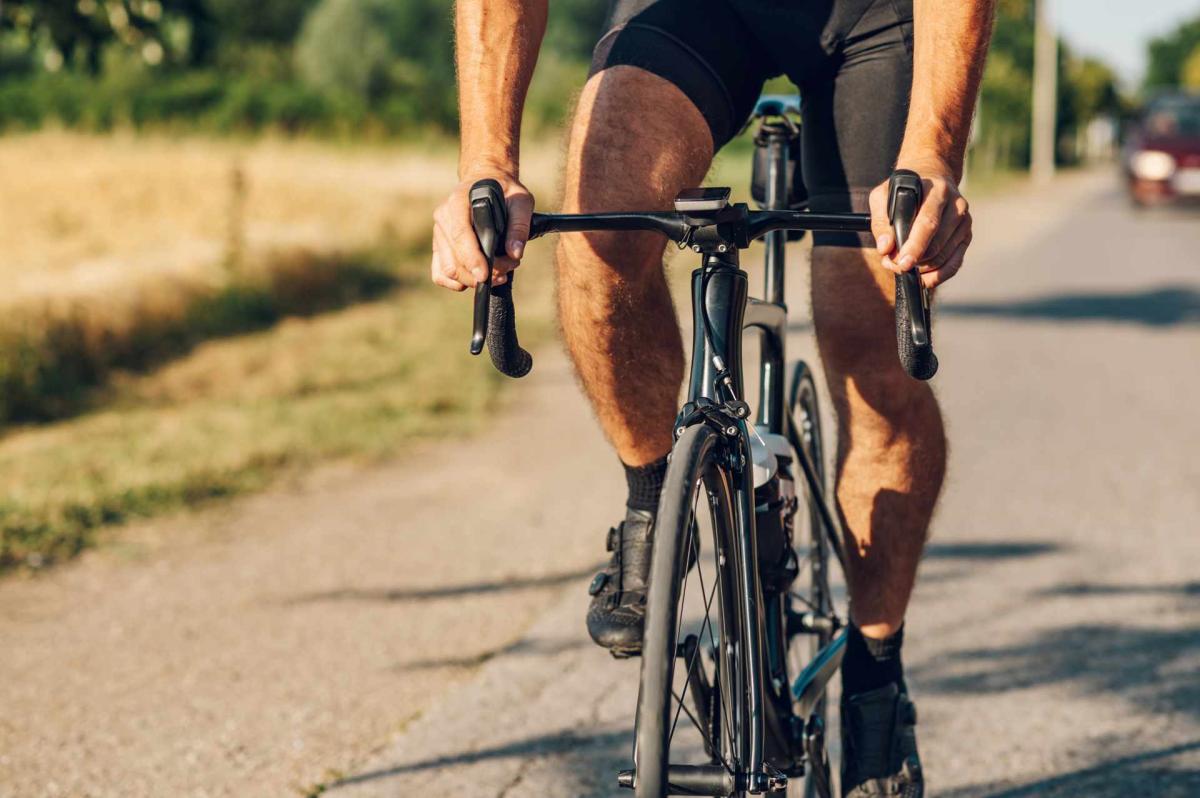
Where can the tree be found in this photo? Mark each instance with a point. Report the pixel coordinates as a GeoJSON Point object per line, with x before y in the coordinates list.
{"type": "Point", "coordinates": [383, 53]}
{"type": "Point", "coordinates": [269, 21]}
{"type": "Point", "coordinates": [76, 32]}
{"type": "Point", "coordinates": [1169, 54]}
{"type": "Point", "coordinates": [1190, 73]}
{"type": "Point", "coordinates": [573, 28]}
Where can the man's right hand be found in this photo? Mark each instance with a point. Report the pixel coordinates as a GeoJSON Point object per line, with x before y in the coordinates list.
{"type": "Point", "coordinates": [458, 262]}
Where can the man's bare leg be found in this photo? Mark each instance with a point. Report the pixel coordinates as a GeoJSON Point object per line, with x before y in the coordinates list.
{"type": "Point", "coordinates": [891, 455]}
{"type": "Point", "coordinates": [636, 141]}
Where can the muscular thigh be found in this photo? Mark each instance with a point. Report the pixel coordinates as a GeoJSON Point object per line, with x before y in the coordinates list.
{"type": "Point", "coordinates": [672, 81]}
{"type": "Point", "coordinates": [854, 117]}
{"type": "Point", "coordinates": [636, 141]}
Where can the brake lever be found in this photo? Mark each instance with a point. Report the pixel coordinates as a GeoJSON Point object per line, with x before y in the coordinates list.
{"type": "Point", "coordinates": [489, 218]}
{"type": "Point", "coordinates": [913, 321]}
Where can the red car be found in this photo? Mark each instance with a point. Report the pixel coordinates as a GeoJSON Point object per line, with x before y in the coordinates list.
{"type": "Point", "coordinates": [1162, 156]}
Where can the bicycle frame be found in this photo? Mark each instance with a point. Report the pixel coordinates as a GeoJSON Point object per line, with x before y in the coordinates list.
{"type": "Point", "coordinates": [721, 310]}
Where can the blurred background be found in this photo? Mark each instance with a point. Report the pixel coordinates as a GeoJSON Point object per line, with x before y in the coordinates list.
{"type": "Point", "coordinates": [214, 236]}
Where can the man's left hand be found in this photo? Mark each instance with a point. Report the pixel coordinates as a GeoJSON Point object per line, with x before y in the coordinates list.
{"type": "Point", "coordinates": [940, 234]}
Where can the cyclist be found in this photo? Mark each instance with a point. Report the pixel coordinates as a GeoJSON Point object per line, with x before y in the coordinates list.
{"type": "Point", "coordinates": [885, 83]}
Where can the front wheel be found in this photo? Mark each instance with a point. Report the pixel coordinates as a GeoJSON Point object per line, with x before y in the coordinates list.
{"type": "Point", "coordinates": [811, 592]}
{"type": "Point", "coordinates": [691, 716]}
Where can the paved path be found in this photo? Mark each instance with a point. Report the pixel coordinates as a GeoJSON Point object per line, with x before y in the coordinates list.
{"type": "Point", "coordinates": [1055, 638]}
{"type": "Point", "coordinates": [367, 631]}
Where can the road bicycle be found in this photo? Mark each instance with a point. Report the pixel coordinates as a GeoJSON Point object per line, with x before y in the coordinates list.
{"type": "Point", "coordinates": [735, 675]}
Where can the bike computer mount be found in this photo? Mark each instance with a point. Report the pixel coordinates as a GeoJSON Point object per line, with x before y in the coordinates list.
{"type": "Point", "coordinates": [715, 225]}
{"type": "Point", "coordinates": [702, 200]}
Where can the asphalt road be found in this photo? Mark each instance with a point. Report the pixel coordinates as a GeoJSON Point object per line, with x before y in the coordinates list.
{"type": "Point", "coordinates": [374, 633]}
{"type": "Point", "coordinates": [1054, 642]}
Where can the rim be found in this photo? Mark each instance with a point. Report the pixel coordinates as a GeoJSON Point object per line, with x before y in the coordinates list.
{"type": "Point", "coordinates": [703, 727]}
{"type": "Point", "coordinates": [812, 551]}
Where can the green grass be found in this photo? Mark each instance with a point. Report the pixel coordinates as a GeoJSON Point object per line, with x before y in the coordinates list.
{"type": "Point", "coordinates": [51, 360]}
{"type": "Point", "coordinates": [230, 415]}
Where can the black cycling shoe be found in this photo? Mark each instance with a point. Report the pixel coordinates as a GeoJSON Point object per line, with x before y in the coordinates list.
{"type": "Point", "coordinates": [618, 609]}
{"type": "Point", "coordinates": [879, 745]}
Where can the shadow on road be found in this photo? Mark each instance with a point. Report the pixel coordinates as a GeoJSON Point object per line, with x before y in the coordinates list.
{"type": "Point", "coordinates": [444, 591]}
{"type": "Point", "coordinates": [1183, 590]}
{"type": "Point", "coordinates": [1167, 306]}
{"type": "Point", "coordinates": [1152, 669]}
{"type": "Point", "coordinates": [1146, 773]}
{"type": "Point", "coordinates": [988, 550]}
{"type": "Point", "coordinates": [589, 748]}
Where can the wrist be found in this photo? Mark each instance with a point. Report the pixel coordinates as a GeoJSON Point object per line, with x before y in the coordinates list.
{"type": "Point", "coordinates": [487, 164]}
{"type": "Point", "coordinates": [931, 163]}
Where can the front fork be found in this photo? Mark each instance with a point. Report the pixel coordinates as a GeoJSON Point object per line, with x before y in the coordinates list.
{"type": "Point", "coordinates": [719, 294]}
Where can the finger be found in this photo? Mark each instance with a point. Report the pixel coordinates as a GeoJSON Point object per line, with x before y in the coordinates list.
{"type": "Point", "coordinates": [962, 234]}
{"type": "Point", "coordinates": [954, 217]}
{"type": "Point", "coordinates": [881, 228]}
{"type": "Point", "coordinates": [464, 244]}
{"type": "Point", "coordinates": [934, 278]}
{"type": "Point", "coordinates": [501, 269]}
{"type": "Point", "coordinates": [441, 274]}
{"type": "Point", "coordinates": [448, 256]}
{"type": "Point", "coordinates": [520, 214]}
{"type": "Point", "coordinates": [924, 228]}
{"type": "Point", "coordinates": [504, 265]}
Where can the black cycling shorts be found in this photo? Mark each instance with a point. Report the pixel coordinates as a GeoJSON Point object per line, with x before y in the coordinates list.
{"type": "Point", "coordinates": [851, 60]}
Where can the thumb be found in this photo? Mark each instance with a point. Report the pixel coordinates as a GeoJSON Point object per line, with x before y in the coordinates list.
{"type": "Point", "coordinates": [520, 213]}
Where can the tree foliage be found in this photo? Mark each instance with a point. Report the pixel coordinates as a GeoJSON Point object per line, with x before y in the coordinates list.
{"type": "Point", "coordinates": [334, 64]}
{"type": "Point", "coordinates": [1189, 75]}
{"type": "Point", "coordinates": [1087, 88]}
{"type": "Point", "coordinates": [75, 33]}
{"type": "Point", "coordinates": [379, 51]}
{"type": "Point", "coordinates": [1169, 55]}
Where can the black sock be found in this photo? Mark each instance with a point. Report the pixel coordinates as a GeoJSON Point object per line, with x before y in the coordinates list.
{"type": "Point", "coordinates": [870, 664]}
{"type": "Point", "coordinates": [645, 484]}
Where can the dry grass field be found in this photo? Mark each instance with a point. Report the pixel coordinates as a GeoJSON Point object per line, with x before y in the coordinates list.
{"type": "Point", "coordinates": [183, 318]}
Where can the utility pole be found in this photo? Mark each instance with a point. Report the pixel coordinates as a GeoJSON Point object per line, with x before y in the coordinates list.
{"type": "Point", "coordinates": [1045, 93]}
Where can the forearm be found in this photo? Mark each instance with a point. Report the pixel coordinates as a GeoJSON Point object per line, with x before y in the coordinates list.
{"type": "Point", "coordinates": [950, 41]}
{"type": "Point", "coordinates": [496, 48]}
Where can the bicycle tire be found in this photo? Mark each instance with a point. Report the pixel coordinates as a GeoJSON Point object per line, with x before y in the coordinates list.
{"type": "Point", "coordinates": [698, 465]}
{"type": "Point", "coordinates": [811, 544]}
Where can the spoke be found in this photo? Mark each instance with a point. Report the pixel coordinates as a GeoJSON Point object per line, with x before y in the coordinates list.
{"type": "Point", "coordinates": [691, 717]}
{"type": "Point", "coordinates": [706, 624]}
{"type": "Point", "coordinates": [726, 714]}
{"type": "Point", "coordinates": [682, 603]}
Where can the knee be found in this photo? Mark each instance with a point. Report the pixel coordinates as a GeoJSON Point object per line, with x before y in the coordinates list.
{"type": "Point", "coordinates": [635, 142]}
{"type": "Point", "coordinates": [872, 394]}
{"type": "Point", "coordinates": [627, 256]}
